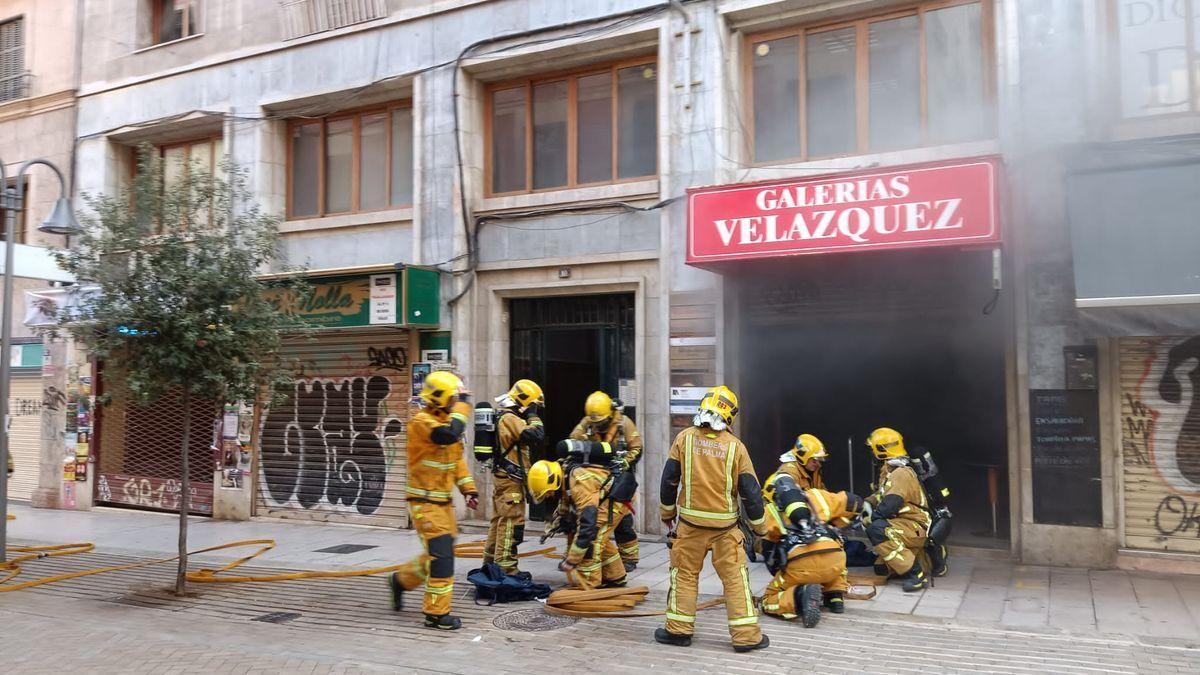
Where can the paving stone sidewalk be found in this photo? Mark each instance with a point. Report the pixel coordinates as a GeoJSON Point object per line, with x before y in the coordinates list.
{"type": "Point", "coordinates": [126, 622]}
{"type": "Point", "coordinates": [978, 591]}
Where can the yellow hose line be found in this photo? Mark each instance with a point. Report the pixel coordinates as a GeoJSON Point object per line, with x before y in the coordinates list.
{"type": "Point", "coordinates": [10, 569]}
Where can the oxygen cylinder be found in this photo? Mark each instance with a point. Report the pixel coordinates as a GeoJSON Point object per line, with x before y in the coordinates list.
{"type": "Point", "coordinates": [485, 431]}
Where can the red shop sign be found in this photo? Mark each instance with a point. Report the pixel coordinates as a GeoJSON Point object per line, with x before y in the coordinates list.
{"type": "Point", "coordinates": [915, 206]}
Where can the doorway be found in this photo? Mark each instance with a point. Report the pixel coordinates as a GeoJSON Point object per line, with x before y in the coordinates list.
{"type": "Point", "coordinates": [838, 346]}
{"type": "Point", "coordinates": [571, 346]}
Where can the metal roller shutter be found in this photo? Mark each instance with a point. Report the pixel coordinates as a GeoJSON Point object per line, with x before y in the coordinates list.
{"type": "Point", "coordinates": [138, 459]}
{"type": "Point", "coordinates": [25, 406]}
{"type": "Point", "coordinates": [334, 448]}
{"type": "Point", "coordinates": [1160, 442]}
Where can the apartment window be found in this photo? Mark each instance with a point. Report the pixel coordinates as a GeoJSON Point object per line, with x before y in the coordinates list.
{"type": "Point", "coordinates": [180, 158]}
{"type": "Point", "coordinates": [900, 80]}
{"type": "Point", "coordinates": [1158, 56]}
{"type": "Point", "coordinates": [6, 198]}
{"type": "Point", "coordinates": [13, 78]}
{"type": "Point", "coordinates": [351, 163]}
{"type": "Point", "coordinates": [174, 19]}
{"type": "Point", "coordinates": [589, 127]}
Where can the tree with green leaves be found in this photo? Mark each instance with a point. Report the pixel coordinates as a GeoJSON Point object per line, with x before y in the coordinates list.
{"type": "Point", "coordinates": [180, 309]}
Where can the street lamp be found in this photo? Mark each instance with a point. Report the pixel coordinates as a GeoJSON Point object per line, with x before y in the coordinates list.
{"type": "Point", "coordinates": [60, 221]}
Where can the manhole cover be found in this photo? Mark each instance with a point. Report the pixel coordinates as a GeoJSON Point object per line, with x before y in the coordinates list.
{"type": "Point", "coordinates": [277, 617]}
{"type": "Point", "coordinates": [345, 548]}
{"type": "Point", "coordinates": [532, 621]}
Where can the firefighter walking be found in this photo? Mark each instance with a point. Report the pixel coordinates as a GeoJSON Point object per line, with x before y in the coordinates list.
{"type": "Point", "coordinates": [604, 421]}
{"type": "Point", "coordinates": [435, 468]}
{"type": "Point", "coordinates": [809, 562]}
{"type": "Point", "coordinates": [707, 472]}
{"type": "Point", "coordinates": [518, 431]}
{"type": "Point", "coordinates": [899, 518]}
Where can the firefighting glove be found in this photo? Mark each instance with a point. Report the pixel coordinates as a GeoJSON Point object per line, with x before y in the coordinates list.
{"type": "Point", "coordinates": [865, 515]}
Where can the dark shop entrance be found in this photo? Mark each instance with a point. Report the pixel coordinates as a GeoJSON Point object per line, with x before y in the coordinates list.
{"type": "Point", "coordinates": [837, 345]}
{"type": "Point", "coordinates": [572, 346]}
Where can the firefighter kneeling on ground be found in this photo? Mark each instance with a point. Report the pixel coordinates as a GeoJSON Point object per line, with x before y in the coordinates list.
{"type": "Point", "coordinates": [604, 420]}
{"type": "Point", "coordinates": [435, 467]}
{"type": "Point", "coordinates": [898, 512]}
{"type": "Point", "coordinates": [807, 559]}
{"type": "Point", "coordinates": [803, 462]}
{"type": "Point", "coordinates": [587, 496]}
{"type": "Point", "coordinates": [708, 471]}
{"type": "Point", "coordinates": [518, 431]}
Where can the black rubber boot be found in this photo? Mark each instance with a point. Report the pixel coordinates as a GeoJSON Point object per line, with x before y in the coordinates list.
{"type": "Point", "coordinates": [629, 566]}
{"type": "Point", "coordinates": [443, 622]}
{"type": "Point", "coordinates": [836, 602]}
{"type": "Point", "coordinates": [940, 559]}
{"type": "Point", "coordinates": [915, 579]}
{"type": "Point", "coordinates": [397, 591]}
{"type": "Point", "coordinates": [808, 603]}
{"type": "Point", "coordinates": [666, 637]}
{"type": "Point", "coordinates": [762, 644]}
{"type": "Point", "coordinates": [619, 583]}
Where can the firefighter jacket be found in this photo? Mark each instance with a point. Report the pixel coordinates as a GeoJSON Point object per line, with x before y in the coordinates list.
{"type": "Point", "coordinates": [796, 507]}
{"type": "Point", "coordinates": [620, 428]}
{"type": "Point", "coordinates": [900, 496]}
{"type": "Point", "coordinates": [435, 455]}
{"type": "Point", "coordinates": [586, 486]}
{"type": "Point", "coordinates": [706, 474]}
{"type": "Point", "coordinates": [801, 475]}
{"type": "Point", "coordinates": [515, 437]}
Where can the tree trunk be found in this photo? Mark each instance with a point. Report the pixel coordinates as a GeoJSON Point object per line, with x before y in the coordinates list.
{"type": "Point", "coordinates": [185, 485]}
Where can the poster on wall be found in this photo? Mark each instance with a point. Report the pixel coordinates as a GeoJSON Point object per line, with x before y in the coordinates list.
{"type": "Point", "coordinates": [1160, 442]}
{"type": "Point", "coordinates": [419, 373]}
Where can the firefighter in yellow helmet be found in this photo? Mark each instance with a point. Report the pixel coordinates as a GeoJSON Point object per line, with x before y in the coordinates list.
{"type": "Point", "coordinates": [708, 471]}
{"type": "Point", "coordinates": [604, 421]}
{"type": "Point", "coordinates": [808, 562]}
{"type": "Point", "coordinates": [592, 559]}
{"type": "Point", "coordinates": [518, 430]}
{"type": "Point", "coordinates": [435, 468]}
{"type": "Point", "coordinates": [899, 511]}
{"type": "Point", "coordinates": [803, 462]}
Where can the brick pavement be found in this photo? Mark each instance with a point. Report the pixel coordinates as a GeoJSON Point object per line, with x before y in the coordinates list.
{"type": "Point", "coordinates": [126, 623]}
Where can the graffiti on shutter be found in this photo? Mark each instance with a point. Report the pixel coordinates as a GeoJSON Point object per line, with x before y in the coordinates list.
{"type": "Point", "coordinates": [1160, 442]}
{"type": "Point", "coordinates": [332, 445]}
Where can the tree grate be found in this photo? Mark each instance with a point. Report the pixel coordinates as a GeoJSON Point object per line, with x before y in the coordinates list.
{"type": "Point", "coordinates": [532, 621]}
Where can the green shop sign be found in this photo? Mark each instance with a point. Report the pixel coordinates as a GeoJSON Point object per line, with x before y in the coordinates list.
{"type": "Point", "coordinates": [406, 297]}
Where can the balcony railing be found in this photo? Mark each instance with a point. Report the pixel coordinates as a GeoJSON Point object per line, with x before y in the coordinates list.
{"type": "Point", "coordinates": [305, 17]}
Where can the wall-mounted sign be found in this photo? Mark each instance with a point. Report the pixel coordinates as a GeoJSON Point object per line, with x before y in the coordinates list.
{"type": "Point", "coordinates": [1065, 448]}
{"type": "Point", "coordinates": [408, 297]}
{"type": "Point", "coordinates": [686, 400]}
{"type": "Point", "coordinates": [946, 204]}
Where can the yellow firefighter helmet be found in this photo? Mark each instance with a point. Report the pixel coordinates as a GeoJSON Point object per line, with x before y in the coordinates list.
{"type": "Point", "coordinates": [598, 407]}
{"type": "Point", "coordinates": [809, 447]}
{"type": "Point", "coordinates": [768, 488]}
{"type": "Point", "coordinates": [439, 387]}
{"type": "Point", "coordinates": [544, 477]}
{"type": "Point", "coordinates": [886, 444]}
{"type": "Point", "coordinates": [720, 401]}
{"type": "Point", "coordinates": [522, 395]}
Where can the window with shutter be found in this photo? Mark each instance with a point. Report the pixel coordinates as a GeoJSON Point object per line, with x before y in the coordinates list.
{"type": "Point", "coordinates": [12, 60]}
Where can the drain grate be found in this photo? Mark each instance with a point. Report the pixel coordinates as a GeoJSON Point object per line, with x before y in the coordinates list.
{"type": "Point", "coordinates": [277, 617]}
{"type": "Point", "coordinates": [532, 621]}
{"type": "Point", "coordinates": [346, 548]}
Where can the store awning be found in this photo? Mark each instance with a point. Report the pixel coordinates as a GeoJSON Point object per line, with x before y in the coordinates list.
{"type": "Point", "coordinates": [34, 262]}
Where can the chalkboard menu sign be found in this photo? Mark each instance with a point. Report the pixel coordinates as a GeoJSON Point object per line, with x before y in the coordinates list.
{"type": "Point", "coordinates": [1065, 430]}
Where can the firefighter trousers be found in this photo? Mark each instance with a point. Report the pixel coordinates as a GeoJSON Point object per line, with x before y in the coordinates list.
{"type": "Point", "coordinates": [437, 528]}
{"type": "Point", "coordinates": [626, 536]}
{"type": "Point", "coordinates": [827, 568]}
{"type": "Point", "coordinates": [897, 542]}
{"type": "Point", "coordinates": [602, 563]}
{"type": "Point", "coordinates": [507, 528]}
{"type": "Point", "coordinates": [691, 546]}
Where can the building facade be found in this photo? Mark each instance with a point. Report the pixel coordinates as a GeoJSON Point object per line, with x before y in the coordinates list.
{"type": "Point", "coordinates": [970, 220]}
{"type": "Point", "coordinates": [38, 74]}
